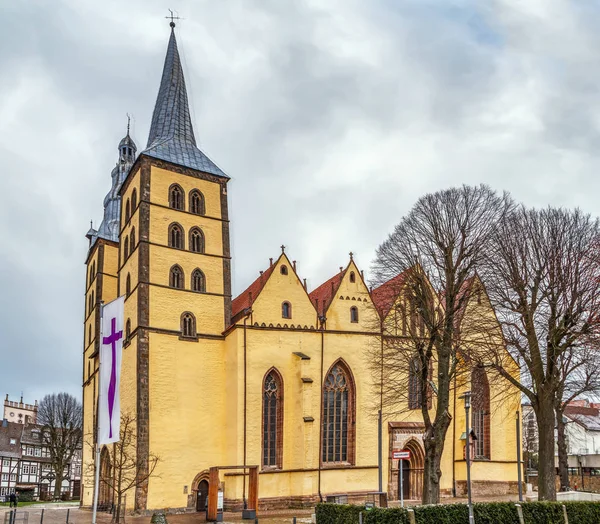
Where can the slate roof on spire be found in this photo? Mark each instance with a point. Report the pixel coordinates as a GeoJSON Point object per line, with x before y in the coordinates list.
{"type": "Point", "coordinates": [171, 135]}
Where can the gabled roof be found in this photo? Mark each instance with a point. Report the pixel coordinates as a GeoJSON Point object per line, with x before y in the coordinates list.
{"type": "Point", "coordinates": [326, 291]}
{"type": "Point", "coordinates": [245, 299]}
{"type": "Point", "coordinates": [589, 418]}
{"type": "Point", "coordinates": [171, 135]}
{"type": "Point", "coordinates": [386, 294]}
{"type": "Point", "coordinates": [10, 430]}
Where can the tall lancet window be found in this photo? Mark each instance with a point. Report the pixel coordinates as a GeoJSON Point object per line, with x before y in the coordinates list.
{"type": "Point", "coordinates": [338, 416]}
{"type": "Point", "coordinates": [176, 236]}
{"type": "Point", "coordinates": [272, 445]}
{"type": "Point", "coordinates": [198, 281]}
{"type": "Point", "coordinates": [133, 200]}
{"type": "Point", "coordinates": [176, 277]}
{"type": "Point", "coordinates": [197, 205]}
{"type": "Point", "coordinates": [480, 389]}
{"type": "Point", "coordinates": [188, 325]}
{"type": "Point", "coordinates": [196, 240]}
{"type": "Point", "coordinates": [176, 197]}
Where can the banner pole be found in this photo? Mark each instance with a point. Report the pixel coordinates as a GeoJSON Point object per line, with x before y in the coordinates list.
{"type": "Point", "coordinates": [97, 479]}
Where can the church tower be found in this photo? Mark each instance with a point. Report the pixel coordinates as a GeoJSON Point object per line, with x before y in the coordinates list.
{"type": "Point", "coordinates": [167, 221]}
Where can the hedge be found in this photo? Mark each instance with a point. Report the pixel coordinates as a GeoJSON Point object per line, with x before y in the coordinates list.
{"type": "Point", "coordinates": [485, 513]}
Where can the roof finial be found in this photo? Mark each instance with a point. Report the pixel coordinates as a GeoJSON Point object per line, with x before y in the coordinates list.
{"type": "Point", "coordinates": [351, 255]}
{"type": "Point", "coordinates": [172, 17]}
{"type": "Point", "coordinates": [282, 248]}
{"type": "Point", "coordinates": [128, 122]}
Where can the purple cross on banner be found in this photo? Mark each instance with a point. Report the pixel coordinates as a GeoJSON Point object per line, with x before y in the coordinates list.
{"type": "Point", "coordinates": [112, 339]}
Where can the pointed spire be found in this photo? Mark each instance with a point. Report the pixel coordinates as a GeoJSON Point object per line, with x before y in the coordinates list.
{"type": "Point", "coordinates": [171, 135]}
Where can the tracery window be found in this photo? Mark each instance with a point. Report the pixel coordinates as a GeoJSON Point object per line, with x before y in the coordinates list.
{"type": "Point", "coordinates": [196, 240]}
{"type": "Point", "coordinates": [286, 310]}
{"type": "Point", "coordinates": [176, 197]}
{"type": "Point", "coordinates": [353, 314]}
{"type": "Point", "coordinates": [197, 205]}
{"type": "Point", "coordinates": [188, 325]}
{"type": "Point", "coordinates": [198, 281]}
{"type": "Point", "coordinates": [338, 415]}
{"type": "Point", "coordinates": [176, 277]}
{"type": "Point", "coordinates": [133, 200]}
{"type": "Point", "coordinates": [414, 384]}
{"type": "Point", "coordinates": [176, 236]}
{"type": "Point", "coordinates": [272, 445]}
{"type": "Point", "coordinates": [480, 390]}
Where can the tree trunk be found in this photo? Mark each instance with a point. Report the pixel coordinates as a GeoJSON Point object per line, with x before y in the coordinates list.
{"type": "Point", "coordinates": [58, 483]}
{"type": "Point", "coordinates": [563, 457]}
{"type": "Point", "coordinates": [433, 442]}
{"type": "Point", "coordinates": [546, 469]}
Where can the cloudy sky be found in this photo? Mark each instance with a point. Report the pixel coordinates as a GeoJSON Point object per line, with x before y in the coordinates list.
{"type": "Point", "coordinates": [331, 117]}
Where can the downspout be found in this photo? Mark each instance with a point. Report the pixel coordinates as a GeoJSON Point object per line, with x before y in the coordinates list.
{"type": "Point", "coordinates": [380, 420]}
{"type": "Point", "coordinates": [247, 313]}
{"type": "Point", "coordinates": [322, 321]}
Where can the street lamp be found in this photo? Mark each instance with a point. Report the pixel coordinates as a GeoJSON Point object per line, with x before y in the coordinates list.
{"type": "Point", "coordinates": [466, 396]}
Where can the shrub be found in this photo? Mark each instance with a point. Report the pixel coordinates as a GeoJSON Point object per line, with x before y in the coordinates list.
{"type": "Point", "coordinates": [485, 513]}
{"type": "Point", "coordinates": [338, 513]}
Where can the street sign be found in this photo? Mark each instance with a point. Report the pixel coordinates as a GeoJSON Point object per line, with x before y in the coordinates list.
{"type": "Point", "coordinates": [403, 455]}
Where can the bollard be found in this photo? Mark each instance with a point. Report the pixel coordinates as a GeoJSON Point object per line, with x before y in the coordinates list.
{"type": "Point", "coordinates": [565, 514]}
{"type": "Point", "coordinates": [360, 520]}
{"type": "Point", "coordinates": [294, 520]}
{"type": "Point", "coordinates": [520, 513]}
{"type": "Point", "coordinates": [411, 516]}
{"type": "Point", "coordinates": [42, 517]}
{"type": "Point", "coordinates": [68, 511]}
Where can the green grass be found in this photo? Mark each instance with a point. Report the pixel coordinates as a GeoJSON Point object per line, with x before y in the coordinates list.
{"type": "Point", "coordinates": [7, 504]}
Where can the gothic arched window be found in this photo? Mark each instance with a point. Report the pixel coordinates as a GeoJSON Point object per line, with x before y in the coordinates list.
{"type": "Point", "coordinates": [89, 334]}
{"type": "Point", "coordinates": [126, 248]}
{"type": "Point", "coordinates": [198, 281]}
{"type": "Point", "coordinates": [414, 384]}
{"type": "Point", "coordinates": [176, 197]}
{"type": "Point", "coordinates": [128, 285]}
{"type": "Point", "coordinates": [352, 277]}
{"type": "Point", "coordinates": [353, 314]}
{"type": "Point", "coordinates": [176, 236]}
{"type": "Point", "coordinates": [132, 239]}
{"type": "Point", "coordinates": [480, 391]}
{"type": "Point", "coordinates": [133, 200]}
{"type": "Point", "coordinates": [128, 329]}
{"type": "Point", "coordinates": [127, 211]}
{"type": "Point", "coordinates": [176, 277]}
{"type": "Point", "coordinates": [188, 325]}
{"type": "Point", "coordinates": [286, 310]}
{"type": "Point", "coordinates": [197, 205]}
{"type": "Point", "coordinates": [338, 415]}
{"type": "Point", "coordinates": [196, 240]}
{"type": "Point", "coordinates": [272, 448]}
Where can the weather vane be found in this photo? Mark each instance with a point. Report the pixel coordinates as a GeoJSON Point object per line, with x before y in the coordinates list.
{"type": "Point", "coordinates": [172, 17]}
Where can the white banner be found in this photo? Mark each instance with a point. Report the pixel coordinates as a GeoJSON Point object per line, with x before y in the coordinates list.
{"type": "Point", "coordinates": [111, 346]}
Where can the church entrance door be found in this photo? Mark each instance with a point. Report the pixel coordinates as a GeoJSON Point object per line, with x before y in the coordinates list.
{"type": "Point", "coordinates": [202, 495]}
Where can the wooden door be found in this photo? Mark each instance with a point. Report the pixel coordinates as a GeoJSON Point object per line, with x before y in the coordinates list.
{"type": "Point", "coordinates": [202, 496]}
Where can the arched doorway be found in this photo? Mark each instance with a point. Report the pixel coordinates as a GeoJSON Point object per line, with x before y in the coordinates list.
{"type": "Point", "coordinates": [202, 495]}
{"type": "Point", "coordinates": [105, 495]}
{"type": "Point", "coordinates": [404, 479]}
{"type": "Point", "coordinates": [412, 478]}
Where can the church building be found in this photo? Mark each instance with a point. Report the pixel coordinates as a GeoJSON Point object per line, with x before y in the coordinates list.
{"type": "Point", "coordinates": [275, 381]}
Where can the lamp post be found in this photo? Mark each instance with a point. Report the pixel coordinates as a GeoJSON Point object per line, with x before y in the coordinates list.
{"type": "Point", "coordinates": [466, 396]}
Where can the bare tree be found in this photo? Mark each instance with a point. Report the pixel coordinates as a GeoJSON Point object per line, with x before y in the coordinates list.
{"type": "Point", "coordinates": [430, 257]}
{"type": "Point", "coordinates": [60, 416]}
{"type": "Point", "coordinates": [128, 470]}
{"type": "Point", "coordinates": [542, 276]}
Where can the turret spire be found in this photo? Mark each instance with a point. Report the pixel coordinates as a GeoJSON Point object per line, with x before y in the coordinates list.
{"type": "Point", "coordinates": [171, 135]}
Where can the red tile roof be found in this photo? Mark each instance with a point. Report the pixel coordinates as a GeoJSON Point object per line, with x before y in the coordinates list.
{"type": "Point", "coordinates": [385, 295]}
{"type": "Point", "coordinates": [246, 298]}
{"type": "Point", "coordinates": [325, 292]}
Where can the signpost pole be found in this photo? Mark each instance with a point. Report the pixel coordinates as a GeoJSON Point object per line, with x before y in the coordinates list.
{"type": "Point", "coordinates": [401, 482]}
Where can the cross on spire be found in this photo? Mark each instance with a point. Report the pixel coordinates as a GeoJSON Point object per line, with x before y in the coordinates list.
{"type": "Point", "coordinates": [282, 248]}
{"type": "Point", "coordinates": [351, 255]}
{"type": "Point", "coordinates": [172, 17]}
{"type": "Point", "coordinates": [128, 122]}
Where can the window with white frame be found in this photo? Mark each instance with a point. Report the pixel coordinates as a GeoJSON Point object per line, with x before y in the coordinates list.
{"type": "Point", "coordinates": [6, 463]}
{"type": "Point", "coordinates": [13, 441]}
{"type": "Point", "coordinates": [33, 470]}
{"type": "Point", "coordinates": [4, 476]}
{"type": "Point", "coordinates": [38, 452]}
{"type": "Point", "coordinates": [13, 476]}
{"type": "Point", "coordinates": [25, 469]}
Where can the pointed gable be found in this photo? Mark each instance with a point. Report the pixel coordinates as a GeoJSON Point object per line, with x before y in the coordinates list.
{"type": "Point", "coordinates": [171, 135]}
{"type": "Point", "coordinates": [386, 295]}
{"type": "Point", "coordinates": [245, 299]}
